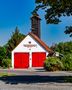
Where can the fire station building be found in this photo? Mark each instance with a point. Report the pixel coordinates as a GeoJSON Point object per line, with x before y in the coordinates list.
{"type": "Point", "coordinates": [32, 51]}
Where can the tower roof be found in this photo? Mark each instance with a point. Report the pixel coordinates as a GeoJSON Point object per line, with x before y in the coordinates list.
{"type": "Point", "coordinates": [35, 15]}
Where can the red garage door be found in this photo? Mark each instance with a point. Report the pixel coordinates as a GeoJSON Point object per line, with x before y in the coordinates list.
{"type": "Point", "coordinates": [38, 59]}
{"type": "Point", "coordinates": [21, 60]}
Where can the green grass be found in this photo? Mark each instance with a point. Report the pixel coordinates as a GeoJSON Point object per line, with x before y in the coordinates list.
{"type": "Point", "coordinates": [6, 74]}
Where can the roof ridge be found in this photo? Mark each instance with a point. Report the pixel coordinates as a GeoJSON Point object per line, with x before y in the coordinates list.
{"type": "Point", "coordinates": [40, 42]}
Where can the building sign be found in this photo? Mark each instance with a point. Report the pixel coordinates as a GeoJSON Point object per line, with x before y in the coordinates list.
{"type": "Point", "coordinates": [29, 45]}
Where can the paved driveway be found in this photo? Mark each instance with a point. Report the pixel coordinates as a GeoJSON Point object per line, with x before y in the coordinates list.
{"type": "Point", "coordinates": [40, 72]}
{"type": "Point", "coordinates": [35, 80]}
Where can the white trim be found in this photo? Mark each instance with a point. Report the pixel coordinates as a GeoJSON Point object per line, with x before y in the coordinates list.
{"type": "Point", "coordinates": [12, 60]}
{"type": "Point", "coordinates": [30, 60]}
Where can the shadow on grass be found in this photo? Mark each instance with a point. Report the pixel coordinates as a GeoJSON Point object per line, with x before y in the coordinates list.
{"type": "Point", "coordinates": [35, 79]}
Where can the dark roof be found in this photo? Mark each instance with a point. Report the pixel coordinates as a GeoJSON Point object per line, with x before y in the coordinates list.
{"type": "Point", "coordinates": [35, 16]}
{"type": "Point", "coordinates": [41, 42]}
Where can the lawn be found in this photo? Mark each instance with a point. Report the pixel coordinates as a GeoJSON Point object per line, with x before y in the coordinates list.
{"type": "Point", "coordinates": [6, 74]}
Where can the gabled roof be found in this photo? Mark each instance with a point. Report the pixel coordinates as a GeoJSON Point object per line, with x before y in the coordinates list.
{"type": "Point", "coordinates": [41, 42]}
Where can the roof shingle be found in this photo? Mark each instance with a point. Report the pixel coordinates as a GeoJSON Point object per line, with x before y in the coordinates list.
{"type": "Point", "coordinates": [41, 42]}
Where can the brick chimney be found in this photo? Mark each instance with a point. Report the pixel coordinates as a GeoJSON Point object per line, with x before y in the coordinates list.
{"type": "Point", "coordinates": [35, 24]}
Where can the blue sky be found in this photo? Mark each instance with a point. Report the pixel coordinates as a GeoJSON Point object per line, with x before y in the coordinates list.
{"type": "Point", "coordinates": [18, 12]}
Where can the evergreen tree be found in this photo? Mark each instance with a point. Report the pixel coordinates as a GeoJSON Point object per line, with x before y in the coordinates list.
{"type": "Point", "coordinates": [15, 39]}
{"type": "Point", "coordinates": [2, 54]}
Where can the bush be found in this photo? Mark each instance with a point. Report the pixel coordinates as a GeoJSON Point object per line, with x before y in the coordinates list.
{"type": "Point", "coordinates": [53, 64]}
{"type": "Point", "coordinates": [1, 58]}
{"type": "Point", "coordinates": [67, 62]}
{"type": "Point", "coordinates": [6, 63]}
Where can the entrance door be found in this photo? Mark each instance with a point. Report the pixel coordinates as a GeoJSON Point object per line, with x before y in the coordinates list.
{"type": "Point", "coordinates": [21, 60]}
{"type": "Point", "coordinates": [38, 59]}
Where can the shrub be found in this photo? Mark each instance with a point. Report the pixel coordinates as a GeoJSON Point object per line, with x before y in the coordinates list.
{"type": "Point", "coordinates": [53, 64]}
{"type": "Point", "coordinates": [67, 62]}
{"type": "Point", "coordinates": [6, 63]}
{"type": "Point", "coordinates": [1, 58]}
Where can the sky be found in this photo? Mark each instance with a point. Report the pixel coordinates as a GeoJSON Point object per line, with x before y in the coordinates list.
{"type": "Point", "coordinates": [18, 12]}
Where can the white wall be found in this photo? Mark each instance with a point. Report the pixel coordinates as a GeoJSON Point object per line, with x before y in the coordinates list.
{"type": "Point", "coordinates": [22, 48]}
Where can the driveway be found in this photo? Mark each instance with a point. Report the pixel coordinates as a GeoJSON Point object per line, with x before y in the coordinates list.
{"type": "Point", "coordinates": [34, 80]}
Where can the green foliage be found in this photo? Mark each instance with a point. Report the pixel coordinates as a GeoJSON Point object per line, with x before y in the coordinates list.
{"type": "Point", "coordinates": [68, 30]}
{"type": "Point", "coordinates": [63, 48]}
{"type": "Point", "coordinates": [2, 54]}
{"type": "Point", "coordinates": [5, 51]}
{"type": "Point", "coordinates": [6, 63]}
{"type": "Point", "coordinates": [53, 64]}
{"type": "Point", "coordinates": [66, 50]}
{"type": "Point", "coordinates": [67, 62]}
{"type": "Point", "coordinates": [15, 39]}
{"type": "Point", "coordinates": [54, 9]}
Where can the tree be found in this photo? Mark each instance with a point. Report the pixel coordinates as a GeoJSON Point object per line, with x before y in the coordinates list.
{"type": "Point", "coordinates": [63, 48]}
{"type": "Point", "coordinates": [67, 62]}
{"type": "Point", "coordinates": [2, 54]}
{"type": "Point", "coordinates": [69, 30]}
{"type": "Point", "coordinates": [54, 9]}
{"type": "Point", "coordinates": [15, 39]}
